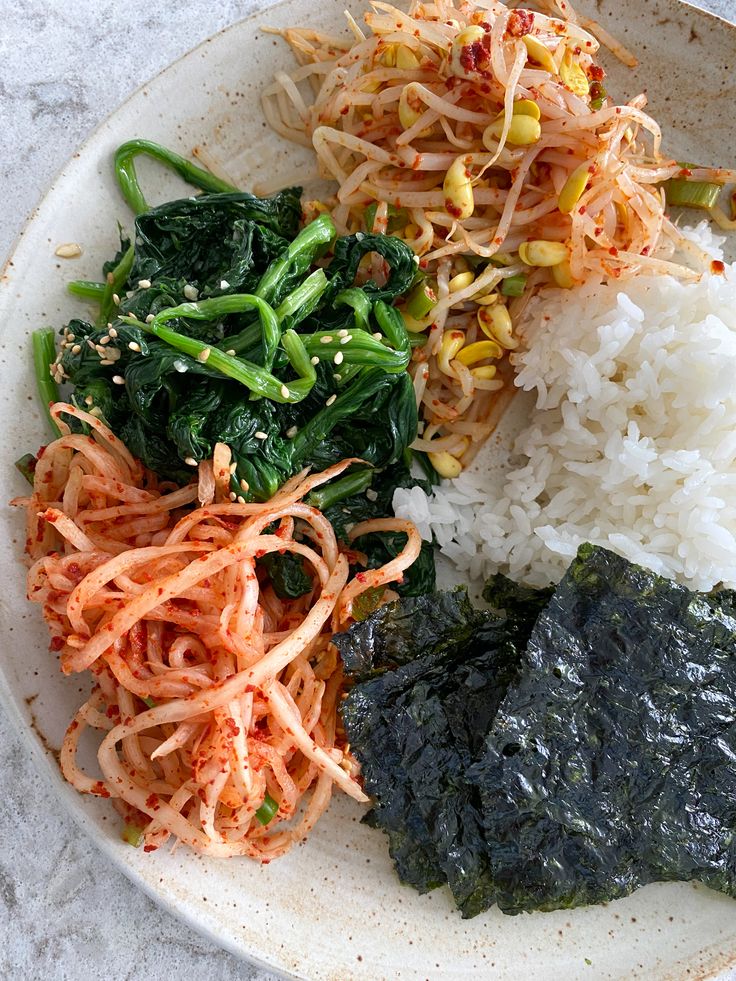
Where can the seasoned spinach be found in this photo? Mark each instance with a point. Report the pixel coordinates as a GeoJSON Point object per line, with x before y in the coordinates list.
{"type": "Point", "coordinates": [221, 321]}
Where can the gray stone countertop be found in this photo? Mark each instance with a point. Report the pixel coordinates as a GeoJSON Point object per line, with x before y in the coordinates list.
{"type": "Point", "coordinates": [65, 913]}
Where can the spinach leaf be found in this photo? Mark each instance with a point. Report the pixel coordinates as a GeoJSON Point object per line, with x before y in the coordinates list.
{"type": "Point", "coordinates": [430, 673]}
{"type": "Point", "coordinates": [221, 321]}
{"type": "Point", "coordinates": [287, 575]}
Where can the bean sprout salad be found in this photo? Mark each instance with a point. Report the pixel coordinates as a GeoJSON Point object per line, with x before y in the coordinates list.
{"type": "Point", "coordinates": [485, 138]}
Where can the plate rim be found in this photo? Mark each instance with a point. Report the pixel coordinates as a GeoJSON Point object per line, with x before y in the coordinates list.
{"type": "Point", "coordinates": [44, 758]}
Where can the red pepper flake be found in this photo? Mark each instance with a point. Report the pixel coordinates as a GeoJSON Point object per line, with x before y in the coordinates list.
{"type": "Point", "coordinates": [717, 267]}
{"type": "Point", "coordinates": [112, 711]}
{"type": "Point", "coordinates": [613, 251]}
{"type": "Point", "coordinates": [520, 23]}
{"type": "Point", "coordinates": [345, 110]}
{"type": "Point", "coordinates": [596, 73]}
{"type": "Point", "coordinates": [150, 848]}
{"type": "Point", "coordinates": [474, 57]}
{"type": "Point", "coordinates": [56, 643]}
{"type": "Point", "coordinates": [686, 172]}
{"type": "Point", "coordinates": [152, 802]}
{"type": "Point", "coordinates": [233, 729]}
{"type": "Point", "coordinates": [361, 577]}
{"type": "Point", "coordinates": [645, 250]}
{"type": "Point", "coordinates": [452, 209]}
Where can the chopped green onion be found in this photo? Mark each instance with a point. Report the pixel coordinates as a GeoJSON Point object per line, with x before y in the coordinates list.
{"type": "Point", "coordinates": [132, 835]}
{"type": "Point", "coordinates": [598, 95]}
{"type": "Point", "coordinates": [398, 218]}
{"type": "Point", "coordinates": [44, 355]}
{"type": "Point", "coordinates": [267, 810]}
{"type": "Point", "coordinates": [149, 701]}
{"type": "Point", "coordinates": [421, 301]}
{"type": "Point", "coordinates": [691, 194]}
{"type": "Point", "coordinates": [27, 466]}
{"type": "Point", "coordinates": [513, 285]}
{"type": "Point", "coordinates": [338, 490]}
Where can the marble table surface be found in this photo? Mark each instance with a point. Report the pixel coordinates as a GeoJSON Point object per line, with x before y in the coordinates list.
{"type": "Point", "coordinates": [64, 912]}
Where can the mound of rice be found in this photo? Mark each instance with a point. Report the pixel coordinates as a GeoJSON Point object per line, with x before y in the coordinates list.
{"type": "Point", "coordinates": [631, 445]}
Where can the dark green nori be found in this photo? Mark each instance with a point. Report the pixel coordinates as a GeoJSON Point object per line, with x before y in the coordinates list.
{"type": "Point", "coordinates": [611, 762]}
{"type": "Point", "coordinates": [596, 761]}
{"type": "Point", "coordinates": [433, 671]}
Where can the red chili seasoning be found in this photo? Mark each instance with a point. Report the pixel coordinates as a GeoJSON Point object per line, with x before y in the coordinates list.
{"type": "Point", "coordinates": [520, 23]}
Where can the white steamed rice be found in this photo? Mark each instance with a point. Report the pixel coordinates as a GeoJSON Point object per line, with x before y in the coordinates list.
{"type": "Point", "coordinates": [632, 444]}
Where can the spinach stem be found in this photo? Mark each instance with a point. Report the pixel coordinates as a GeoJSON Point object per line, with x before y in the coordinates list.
{"type": "Point", "coordinates": [128, 179]}
{"type": "Point", "coordinates": [220, 306]}
{"type": "Point", "coordinates": [354, 297]}
{"type": "Point", "coordinates": [44, 355]}
{"type": "Point", "coordinates": [256, 378]}
{"type": "Point", "coordinates": [116, 280]}
{"type": "Point", "coordinates": [310, 243]}
{"type": "Point", "coordinates": [86, 290]}
{"type": "Point", "coordinates": [338, 490]}
{"type": "Point", "coordinates": [311, 289]}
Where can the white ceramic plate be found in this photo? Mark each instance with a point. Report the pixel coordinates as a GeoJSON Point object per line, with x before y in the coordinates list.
{"type": "Point", "coordinates": [333, 909]}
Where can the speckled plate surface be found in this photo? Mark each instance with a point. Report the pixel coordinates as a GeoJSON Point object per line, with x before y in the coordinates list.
{"type": "Point", "coordinates": [333, 909]}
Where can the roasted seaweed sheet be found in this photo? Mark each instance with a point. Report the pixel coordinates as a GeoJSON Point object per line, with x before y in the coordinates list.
{"type": "Point", "coordinates": [612, 761]}
{"type": "Point", "coordinates": [434, 671]}
{"type": "Point", "coordinates": [556, 763]}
